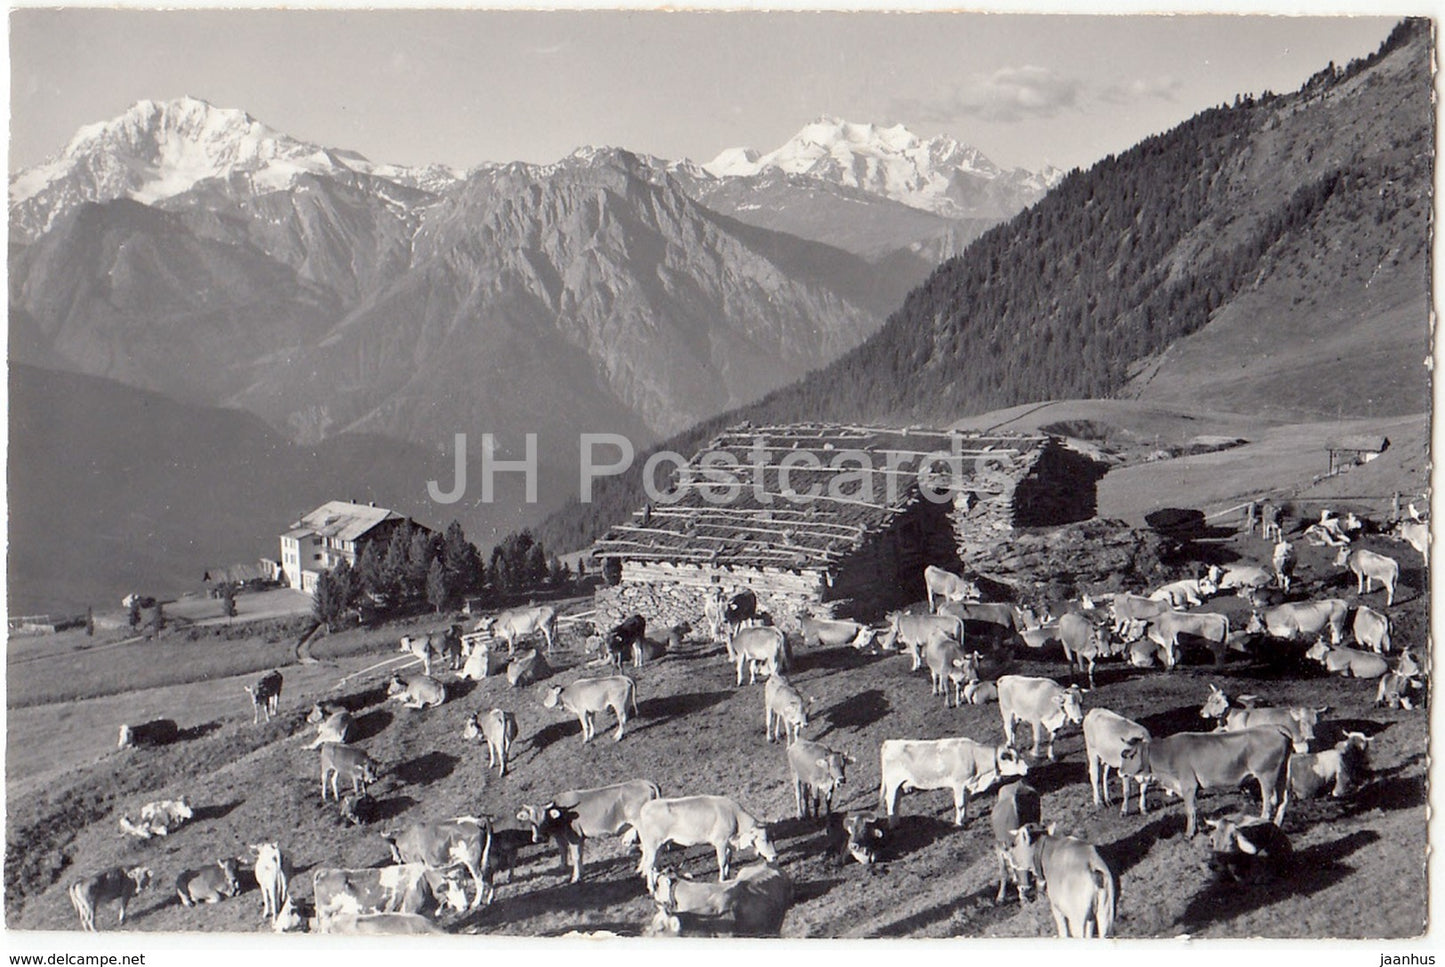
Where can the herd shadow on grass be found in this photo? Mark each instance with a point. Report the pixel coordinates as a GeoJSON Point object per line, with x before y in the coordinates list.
{"type": "Point", "coordinates": [855, 712]}
{"type": "Point", "coordinates": [370, 724]}
{"type": "Point", "coordinates": [1312, 870]}
{"type": "Point", "coordinates": [425, 769]}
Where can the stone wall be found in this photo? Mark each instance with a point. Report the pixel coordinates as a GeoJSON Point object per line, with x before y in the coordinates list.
{"type": "Point", "coordinates": [665, 603]}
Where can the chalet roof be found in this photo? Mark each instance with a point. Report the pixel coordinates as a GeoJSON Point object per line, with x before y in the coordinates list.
{"type": "Point", "coordinates": [342, 519]}
{"type": "Point", "coordinates": [234, 573]}
{"type": "Point", "coordinates": [1363, 442]}
{"type": "Point", "coordinates": [730, 505]}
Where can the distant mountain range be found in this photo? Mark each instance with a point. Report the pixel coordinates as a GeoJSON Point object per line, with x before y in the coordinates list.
{"type": "Point", "coordinates": [935, 174]}
{"type": "Point", "coordinates": [1270, 257]}
{"type": "Point", "coordinates": [192, 251]}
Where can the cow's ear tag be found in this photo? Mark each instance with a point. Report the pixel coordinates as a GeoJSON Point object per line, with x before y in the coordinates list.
{"type": "Point", "coordinates": [554, 813]}
{"type": "Point", "coordinates": [1245, 846]}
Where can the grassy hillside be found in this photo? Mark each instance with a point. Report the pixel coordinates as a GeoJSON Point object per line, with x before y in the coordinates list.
{"type": "Point", "coordinates": [1268, 257]}
{"type": "Point", "coordinates": [697, 733]}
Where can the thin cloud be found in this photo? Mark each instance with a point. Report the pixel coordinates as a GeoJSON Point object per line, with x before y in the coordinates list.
{"type": "Point", "coordinates": [1008, 95]}
{"type": "Point", "coordinates": [1165, 88]}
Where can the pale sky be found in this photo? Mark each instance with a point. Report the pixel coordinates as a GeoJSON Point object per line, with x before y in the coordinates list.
{"type": "Point", "coordinates": [466, 86]}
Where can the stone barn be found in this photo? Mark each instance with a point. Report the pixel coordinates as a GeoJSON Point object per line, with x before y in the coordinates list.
{"type": "Point", "coordinates": [832, 520]}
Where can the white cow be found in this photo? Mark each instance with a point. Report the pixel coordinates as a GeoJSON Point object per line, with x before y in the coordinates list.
{"type": "Point", "coordinates": [693, 820]}
{"type": "Point", "coordinates": [1369, 567]}
{"type": "Point", "coordinates": [520, 622]}
{"type": "Point", "coordinates": [588, 696]}
{"type": "Point", "coordinates": [958, 764]}
{"type": "Point", "coordinates": [948, 586]}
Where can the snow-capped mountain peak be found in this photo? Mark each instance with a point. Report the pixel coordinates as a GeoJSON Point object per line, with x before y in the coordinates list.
{"type": "Point", "coordinates": [159, 149]}
{"type": "Point", "coordinates": [938, 174]}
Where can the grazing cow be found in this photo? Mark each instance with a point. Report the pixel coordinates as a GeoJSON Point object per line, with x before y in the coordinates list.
{"type": "Point", "coordinates": [1106, 735]}
{"type": "Point", "coordinates": [416, 691]}
{"type": "Point", "coordinates": [159, 818]}
{"type": "Point", "coordinates": [381, 924]}
{"type": "Point", "coordinates": [153, 733]}
{"type": "Point", "coordinates": [947, 663]}
{"type": "Point", "coordinates": [518, 623]}
{"type": "Point", "coordinates": [586, 697]}
{"type": "Point", "coordinates": [1417, 535]}
{"type": "Point", "coordinates": [1301, 620]}
{"type": "Point", "coordinates": [1396, 688]}
{"type": "Point", "coordinates": [817, 773]}
{"type": "Point", "coordinates": [755, 902]}
{"type": "Point", "coordinates": [1181, 594]}
{"type": "Point", "coordinates": [573, 816]}
{"type": "Point", "coordinates": [1018, 805]}
{"type": "Point", "coordinates": [270, 868]}
{"type": "Point", "coordinates": [1042, 636]}
{"type": "Point", "coordinates": [1213, 629]}
{"type": "Point", "coordinates": [1147, 651]}
{"type": "Point", "coordinates": [1083, 891]}
{"type": "Point", "coordinates": [1251, 852]}
{"type": "Point", "coordinates": [1369, 567]}
{"type": "Point", "coordinates": [741, 607]}
{"type": "Point", "coordinates": [947, 586]}
{"type": "Point", "coordinates": [115, 885]}
{"type": "Point", "coordinates": [1187, 762]}
{"type": "Point", "coordinates": [343, 762]}
{"type": "Point", "coordinates": [1342, 769]}
{"type": "Point", "coordinates": [1327, 534]}
{"type": "Point", "coordinates": [411, 888]}
{"type": "Point", "coordinates": [996, 620]}
{"type": "Point", "coordinates": [825, 631]}
{"type": "Point", "coordinates": [620, 641]}
{"type": "Point", "coordinates": [861, 835]}
{"type": "Point", "coordinates": [1236, 577]}
{"type": "Point", "coordinates": [1371, 629]}
{"type": "Point", "coordinates": [714, 607]}
{"type": "Point", "coordinates": [423, 647]}
{"type": "Point", "coordinates": [1297, 721]}
{"type": "Point", "coordinates": [1131, 607]}
{"type": "Point", "coordinates": [645, 650]}
{"type": "Point", "coordinates": [208, 884]}
{"type": "Point", "coordinates": [357, 809]}
{"type": "Point", "coordinates": [692, 820]}
{"type": "Point", "coordinates": [1284, 561]}
{"type": "Point", "coordinates": [1349, 662]}
{"type": "Point", "coordinates": [528, 668]}
{"type": "Point", "coordinates": [265, 696]}
{"type": "Point", "coordinates": [755, 646]}
{"type": "Point", "coordinates": [507, 846]}
{"type": "Point", "coordinates": [296, 915]}
{"type": "Point", "coordinates": [1084, 643]}
{"type": "Point", "coordinates": [483, 662]}
{"type": "Point", "coordinates": [785, 705]}
{"type": "Point", "coordinates": [914, 631]}
{"type": "Point", "coordinates": [980, 693]}
{"type": "Point", "coordinates": [1271, 519]}
{"type": "Point", "coordinates": [465, 841]}
{"type": "Point", "coordinates": [1041, 702]}
{"type": "Point", "coordinates": [498, 729]}
{"type": "Point", "coordinates": [959, 764]}
{"type": "Point", "coordinates": [333, 724]}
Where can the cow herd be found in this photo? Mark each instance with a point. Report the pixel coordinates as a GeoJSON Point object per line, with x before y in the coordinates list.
{"type": "Point", "coordinates": [967, 646]}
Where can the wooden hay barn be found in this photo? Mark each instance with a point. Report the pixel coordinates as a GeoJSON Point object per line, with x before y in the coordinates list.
{"type": "Point", "coordinates": [1359, 448]}
{"type": "Point", "coordinates": [832, 519]}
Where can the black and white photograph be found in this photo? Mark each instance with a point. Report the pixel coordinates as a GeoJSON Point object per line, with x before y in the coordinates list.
{"type": "Point", "coordinates": [793, 474]}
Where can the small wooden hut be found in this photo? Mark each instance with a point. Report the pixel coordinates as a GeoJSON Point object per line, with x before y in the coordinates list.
{"type": "Point", "coordinates": [832, 519]}
{"type": "Point", "coordinates": [1349, 451]}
